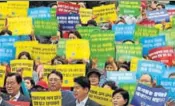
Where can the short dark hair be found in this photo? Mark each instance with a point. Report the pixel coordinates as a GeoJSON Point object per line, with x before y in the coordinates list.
{"type": "Point", "coordinates": [172, 74]}
{"type": "Point", "coordinates": [111, 84]}
{"type": "Point", "coordinates": [57, 73]}
{"type": "Point", "coordinates": [83, 82]}
{"type": "Point", "coordinates": [6, 31]}
{"type": "Point", "coordinates": [25, 54]}
{"type": "Point", "coordinates": [31, 80]}
{"type": "Point", "coordinates": [17, 76]}
{"type": "Point", "coordinates": [76, 33]}
{"type": "Point", "coordinates": [124, 94]}
{"type": "Point", "coordinates": [148, 75]}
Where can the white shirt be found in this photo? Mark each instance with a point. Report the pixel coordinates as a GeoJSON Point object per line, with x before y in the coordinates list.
{"type": "Point", "coordinates": [82, 103]}
{"type": "Point", "coordinates": [16, 96]}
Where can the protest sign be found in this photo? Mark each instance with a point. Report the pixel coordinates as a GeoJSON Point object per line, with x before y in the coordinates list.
{"type": "Point", "coordinates": [3, 10]}
{"type": "Point", "coordinates": [25, 65]}
{"type": "Point", "coordinates": [168, 84]}
{"type": "Point", "coordinates": [46, 98]}
{"type": "Point", "coordinates": [121, 77]}
{"type": "Point", "coordinates": [65, 8]}
{"type": "Point", "coordinates": [44, 52]}
{"type": "Point", "coordinates": [164, 54]}
{"type": "Point", "coordinates": [129, 7]}
{"type": "Point", "coordinates": [48, 69]}
{"type": "Point", "coordinates": [153, 68]}
{"type": "Point", "coordinates": [130, 87]}
{"type": "Point", "coordinates": [61, 47]}
{"type": "Point", "coordinates": [68, 21]}
{"type": "Point", "coordinates": [158, 16]}
{"type": "Point", "coordinates": [85, 31]}
{"type": "Point", "coordinates": [77, 49]}
{"type": "Point", "coordinates": [85, 15]}
{"type": "Point", "coordinates": [40, 12]}
{"type": "Point", "coordinates": [24, 46]}
{"type": "Point", "coordinates": [45, 27]}
{"type": "Point", "coordinates": [17, 9]}
{"type": "Point", "coordinates": [8, 40]}
{"type": "Point", "coordinates": [15, 103]}
{"type": "Point", "coordinates": [2, 24]}
{"type": "Point", "coordinates": [133, 65]}
{"type": "Point", "coordinates": [149, 43]}
{"type": "Point", "coordinates": [7, 53]}
{"type": "Point", "coordinates": [146, 96]}
{"type": "Point", "coordinates": [128, 51]}
{"type": "Point", "coordinates": [101, 95]}
{"type": "Point", "coordinates": [169, 72]}
{"type": "Point", "coordinates": [70, 72]}
{"type": "Point", "coordinates": [142, 31]}
{"type": "Point", "coordinates": [102, 46]}
{"type": "Point", "coordinates": [105, 13]}
{"type": "Point", "coordinates": [2, 75]}
{"type": "Point", "coordinates": [123, 32]}
{"type": "Point", "coordinates": [24, 25]}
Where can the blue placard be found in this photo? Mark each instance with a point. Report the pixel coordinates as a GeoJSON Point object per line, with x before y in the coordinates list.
{"type": "Point", "coordinates": [169, 72]}
{"type": "Point", "coordinates": [124, 32]}
{"type": "Point", "coordinates": [147, 96]}
{"type": "Point", "coordinates": [40, 12]}
{"type": "Point", "coordinates": [8, 40]}
{"type": "Point", "coordinates": [149, 43]}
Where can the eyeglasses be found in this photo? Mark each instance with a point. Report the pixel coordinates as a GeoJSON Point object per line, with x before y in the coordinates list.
{"type": "Point", "coordinates": [54, 79]}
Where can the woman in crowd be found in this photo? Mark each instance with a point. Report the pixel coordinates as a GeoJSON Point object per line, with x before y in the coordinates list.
{"type": "Point", "coordinates": [29, 82]}
{"type": "Point", "coordinates": [110, 85]}
{"type": "Point", "coordinates": [74, 35]}
{"type": "Point", "coordinates": [24, 55]}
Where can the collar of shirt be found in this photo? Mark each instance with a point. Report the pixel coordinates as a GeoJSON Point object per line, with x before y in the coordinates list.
{"type": "Point", "coordinates": [0, 100]}
{"type": "Point", "coordinates": [82, 103]}
{"type": "Point", "coordinates": [16, 96]}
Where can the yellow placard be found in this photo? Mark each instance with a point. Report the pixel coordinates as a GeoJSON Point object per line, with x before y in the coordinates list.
{"type": "Point", "coordinates": [24, 46]}
{"type": "Point", "coordinates": [85, 15]}
{"type": "Point", "coordinates": [100, 95]}
{"type": "Point", "coordinates": [134, 63]}
{"type": "Point", "coordinates": [105, 13]}
{"type": "Point", "coordinates": [2, 24]}
{"type": "Point", "coordinates": [48, 69]}
{"type": "Point", "coordinates": [3, 10]}
{"type": "Point", "coordinates": [77, 49]}
{"type": "Point", "coordinates": [17, 9]}
{"type": "Point", "coordinates": [46, 98]}
{"type": "Point", "coordinates": [26, 65]}
{"type": "Point", "coordinates": [44, 52]}
{"type": "Point", "coordinates": [2, 75]}
{"type": "Point", "coordinates": [20, 25]}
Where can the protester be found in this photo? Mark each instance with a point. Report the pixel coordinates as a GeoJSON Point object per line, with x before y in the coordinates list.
{"type": "Point", "coordinates": [94, 77]}
{"type": "Point", "coordinates": [110, 85]}
{"type": "Point", "coordinates": [29, 82]}
{"type": "Point", "coordinates": [74, 35]}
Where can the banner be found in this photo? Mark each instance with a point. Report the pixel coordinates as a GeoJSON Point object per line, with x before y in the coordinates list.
{"type": "Point", "coordinates": [128, 51]}
{"type": "Point", "coordinates": [44, 52]}
{"type": "Point", "coordinates": [153, 68]}
{"type": "Point", "coordinates": [102, 46]}
{"type": "Point", "coordinates": [39, 12]}
{"type": "Point", "coordinates": [149, 43]}
{"type": "Point", "coordinates": [25, 65]}
{"type": "Point", "coordinates": [85, 31]}
{"type": "Point", "coordinates": [61, 47]}
{"type": "Point", "coordinates": [164, 54]}
{"type": "Point", "coordinates": [65, 8]}
{"type": "Point", "coordinates": [2, 75]}
{"type": "Point", "coordinates": [6, 54]}
{"type": "Point", "coordinates": [158, 15]}
{"type": "Point", "coordinates": [3, 10]}
{"type": "Point", "coordinates": [123, 32]}
{"type": "Point", "coordinates": [121, 77]}
{"type": "Point", "coordinates": [129, 8]}
{"type": "Point", "coordinates": [68, 21]}
{"type": "Point", "coordinates": [77, 49]}
{"type": "Point", "coordinates": [105, 13]}
{"type": "Point", "coordinates": [24, 25]}
{"type": "Point", "coordinates": [85, 15]}
{"type": "Point", "coordinates": [46, 98]}
{"type": "Point", "coordinates": [146, 96]}
{"type": "Point", "coordinates": [45, 27]}
{"type": "Point", "coordinates": [142, 31]}
{"type": "Point", "coordinates": [102, 96]}
{"type": "Point", "coordinates": [15, 103]}
{"type": "Point", "coordinates": [17, 9]}
{"type": "Point", "coordinates": [8, 40]}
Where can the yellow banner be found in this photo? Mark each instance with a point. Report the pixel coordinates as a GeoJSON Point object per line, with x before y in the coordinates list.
{"type": "Point", "coordinates": [105, 13]}
{"type": "Point", "coordinates": [85, 15]}
{"type": "Point", "coordinates": [102, 96]}
{"type": "Point", "coordinates": [20, 25]}
{"type": "Point", "coordinates": [2, 75]}
{"type": "Point", "coordinates": [44, 52]}
{"type": "Point", "coordinates": [3, 10]}
{"type": "Point", "coordinates": [2, 24]}
{"type": "Point", "coordinates": [25, 46]}
{"type": "Point", "coordinates": [17, 9]}
{"type": "Point", "coordinates": [77, 49]}
{"type": "Point", "coordinates": [134, 62]}
{"type": "Point", "coordinates": [26, 65]}
{"type": "Point", "coordinates": [46, 98]}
